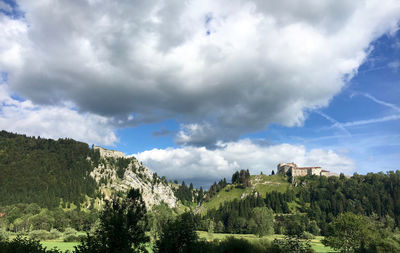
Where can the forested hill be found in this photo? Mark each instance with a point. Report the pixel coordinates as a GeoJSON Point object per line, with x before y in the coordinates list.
{"type": "Point", "coordinates": [58, 173]}
{"type": "Point", "coordinates": [312, 202]}
{"type": "Point", "coordinates": [45, 171]}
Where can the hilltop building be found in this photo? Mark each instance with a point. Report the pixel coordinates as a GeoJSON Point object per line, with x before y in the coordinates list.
{"type": "Point", "coordinates": [293, 170]}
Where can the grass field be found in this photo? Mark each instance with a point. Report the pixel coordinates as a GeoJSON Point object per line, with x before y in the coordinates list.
{"type": "Point", "coordinates": [63, 246]}
{"type": "Point", "coordinates": [315, 243]}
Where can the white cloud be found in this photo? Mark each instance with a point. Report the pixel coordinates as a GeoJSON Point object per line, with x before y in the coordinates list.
{"type": "Point", "coordinates": [53, 121]}
{"type": "Point", "coordinates": [251, 64]}
{"type": "Point", "coordinates": [199, 164]}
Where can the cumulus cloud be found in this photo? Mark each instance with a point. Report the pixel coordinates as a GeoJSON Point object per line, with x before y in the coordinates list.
{"type": "Point", "coordinates": [221, 68]}
{"type": "Point", "coordinates": [203, 166]}
{"type": "Point", "coordinates": [53, 121]}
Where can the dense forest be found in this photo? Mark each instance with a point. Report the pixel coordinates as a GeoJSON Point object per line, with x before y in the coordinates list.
{"type": "Point", "coordinates": [318, 200]}
{"type": "Point", "coordinates": [45, 171]}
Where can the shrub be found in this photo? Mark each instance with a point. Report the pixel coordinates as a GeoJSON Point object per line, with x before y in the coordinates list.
{"type": "Point", "coordinates": [39, 235]}
{"type": "Point", "coordinates": [232, 244]}
{"type": "Point", "coordinates": [3, 235]}
{"type": "Point", "coordinates": [307, 235]}
{"type": "Point", "coordinates": [20, 244]}
{"type": "Point", "coordinates": [70, 231]}
{"type": "Point", "coordinates": [54, 234]}
{"type": "Point", "coordinates": [72, 238]}
{"type": "Point", "coordinates": [291, 244]}
{"type": "Point", "coordinates": [70, 235]}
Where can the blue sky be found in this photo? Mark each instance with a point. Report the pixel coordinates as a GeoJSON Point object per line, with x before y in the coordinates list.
{"type": "Point", "coordinates": [374, 144]}
{"type": "Point", "coordinates": [199, 90]}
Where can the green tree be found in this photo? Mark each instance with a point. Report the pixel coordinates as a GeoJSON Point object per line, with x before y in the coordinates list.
{"type": "Point", "coordinates": [349, 232]}
{"type": "Point", "coordinates": [159, 215]}
{"type": "Point", "coordinates": [211, 226]}
{"type": "Point", "coordinates": [263, 221]}
{"type": "Point", "coordinates": [122, 227]}
{"type": "Point", "coordinates": [178, 236]}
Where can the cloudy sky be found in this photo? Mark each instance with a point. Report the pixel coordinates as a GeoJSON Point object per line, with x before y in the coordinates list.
{"type": "Point", "coordinates": [199, 89]}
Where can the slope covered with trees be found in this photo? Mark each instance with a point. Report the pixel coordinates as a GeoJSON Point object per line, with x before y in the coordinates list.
{"type": "Point", "coordinates": [45, 171]}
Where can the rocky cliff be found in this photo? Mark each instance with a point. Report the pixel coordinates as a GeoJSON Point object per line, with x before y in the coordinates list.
{"type": "Point", "coordinates": [117, 172]}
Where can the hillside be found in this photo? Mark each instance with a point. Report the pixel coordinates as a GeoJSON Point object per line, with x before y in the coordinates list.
{"type": "Point", "coordinates": [44, 171]}
{"type": "Point", "coordinates": [262, 184]}
{"type": "Point", "coordinates": [67, 173]}
{"type": "Point", "coordinates": [118, 173]}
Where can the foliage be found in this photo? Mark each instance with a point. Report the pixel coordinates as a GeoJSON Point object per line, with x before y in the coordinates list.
{"type": "Point", "coordinates": [210, 230]}
{"type": "Point", "coordinates": [28, 217]}
{"type": "Point", "coordinates": [178, 235]}
{"type": "Point", "coordinates": [324, 198]}
{"type": "Point", "coordinates": [292, 244]}
{"type": "Point", "coordinates": [159, 215]}
{"type": "Point", "coordinates": [39, 235]}
{"type": "Point", "coordinates": [184, 193]}
{"type": "Point", "coordinates": [215, 188]}
{"type": "Point", "coordinates": [235, 215]}
{"type": "Point", "coordinates": [349, 232]}
{"type": "Point", "coordinates": [241, 178]}
{"type": "Point", "coordinates": [307, 235]}
{"type": "Point", "coordinates": [122, 227]}
{"type": "Point", "coordinates": [3, 235]}
{"type": "Point", "coordinates": [122, 164]}
{"type": "Point", "coordinates": [22, 245]}
{"type": "Point", "coordinates": [44, 171]}
{"type": "Point", "coordinates": [263, 221]}
{"type": "Point", "coordinates": [234, 245]}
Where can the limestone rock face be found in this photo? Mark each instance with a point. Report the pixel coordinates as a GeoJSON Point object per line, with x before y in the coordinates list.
{"type": "Point", "coordinates": [117, 172]}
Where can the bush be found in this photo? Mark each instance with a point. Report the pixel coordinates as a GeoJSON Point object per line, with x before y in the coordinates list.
{"type": "Point", "coordinates": [39, 235]}
{"type": "Point", "coordinates": [70, 231]}
{"type": "Point", "coordinates": [291, 244]}
{"type": "Point", "coordinates": [307, 235]}
{"type": "Point", "coordinates": [3, 235]}
{"type": "Point", "coordinates": [232, 244]}
{"type": "Point", "coordinates": [73, 238]}
{"type": "Point", "coordinates": [70, 235]}
{"type": "Point", "coordinates": [21, 245]}
{"type": "Point", "coordinates": [54, 234]}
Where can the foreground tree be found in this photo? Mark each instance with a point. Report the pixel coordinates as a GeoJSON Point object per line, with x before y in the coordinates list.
{"type": "Point", "coordinates": [349, 232]}
{"type": "Point", "coordinates": [159, 216]}
{"type": "Point", "coordinates": [178, 235]}
{"type": "Point", "coordinates": [121, 229]}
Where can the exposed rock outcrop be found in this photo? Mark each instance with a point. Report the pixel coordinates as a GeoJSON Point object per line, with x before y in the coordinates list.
{"type": "Point", "coordinates": [117, 172]}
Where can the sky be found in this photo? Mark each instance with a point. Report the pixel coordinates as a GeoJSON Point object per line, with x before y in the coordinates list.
{"type": "Point", "coordinates": [199, 89]}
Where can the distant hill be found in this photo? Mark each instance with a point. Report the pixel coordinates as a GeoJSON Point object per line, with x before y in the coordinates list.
{"type": "Point", "coordinates": [54, 173]}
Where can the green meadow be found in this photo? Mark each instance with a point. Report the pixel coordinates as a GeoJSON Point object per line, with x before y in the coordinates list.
{"type": "Point", "coordinates": [315, 243]}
